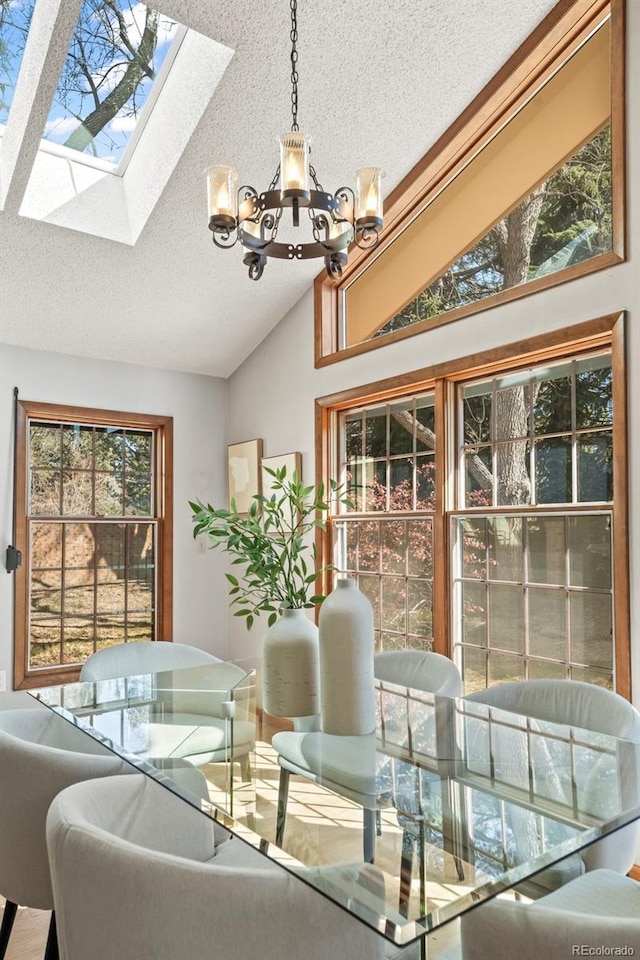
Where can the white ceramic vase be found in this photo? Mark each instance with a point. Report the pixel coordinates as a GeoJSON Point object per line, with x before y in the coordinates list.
{"type": "Point", "coordinates": [347, 698]}
{"type": "Point", "coordinates": [290, 672]}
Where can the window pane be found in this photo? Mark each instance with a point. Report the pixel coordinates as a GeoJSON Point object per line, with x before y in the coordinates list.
{"type": "Point", "coordinates": [369, 545]}
{"type": "Point", "coordinates": [505, 553]}
{"type": "Point", "coordinates": [392, 641]}
{"type": "Point", "coordinates": [77, 446]}
{"type": "Point", "coordinates": [591, 629]}
{"type": "Point", "coordinates": [474, 613]}
{"type": "Point", "coordinates": [512, 406]}
{"type": "Point", "coordinates": [393, 604]}
{"type": "Point", "coordinates": [594, 406]}
{"type": "Point", "coordinates": [592, 676]}
{"type": "Point", "coordinates": [353, 436]}
{"type": "Point", "coordinates": [425, 427]}
{"type": "Point", "coordinates": [552, 400]}
{"type": "Point", "coordinates": [354, 478]}
{"type": "Point", "coordinates": [46, 546]}
{"type": "Point", "coordinates": [595, 467]}
{"type": "Point", "coordinates": [393, 547]}
{"type": "Point", "coordinates": [15, 20]}
{"type": "Point", "coordinates": [401, 484]}
{"type": "Point", "coordinates": [547, 623]}
{"type": "Point", "coordinates": [109, 443]}
{"type": "Point", "coordinates": [542, 670]}
{"type": "Point", "coordinates": [375, 444]}
{"type": "Point", "coordinates": [46, 596]}
{"type": "Point", "coordinates": [137, 453]}
{"type": "Point", "coordinates": [370, 586]}
{"type": "Point", "coordinates": [513, 471]}
{"type": "Point", "coordinates": [506, 625]}
{"type": "Point", "coordinates": [546, 550]}
{"type": "Point", "coordinates": [375, 474]}
{"type": "Point", "coordinates": [77, 493]}
{"type": "Point", "coordinates": [474, 548]}
{"type": "Point", "coordinates": [474, 670]}
{"type": "Point", "coordinates": [401, 428]}
{"type": "Point", "coordinates": [553, 470]}
{"type": "Point", "coordinates": [505, 669]}
{"type": "Point", "coordinates": [477, 413]}
{"type": "Point", "coordinates": [479, 477]}
{"type": "Point", "coordinates": [420, 548]}
{"type": "Point", "coordinates": [425, 483]}
{"type": "Point", "coordinates": [108, 495]}
{"type": "Point", "coordinates": [573, 223]}
{"type": "Point", "coordinates": [79, 599]}
{"type": "Point", "coordinates": [137, 499]}
{"type": "Point", "coordinates": [419, 607]}
{"type": "Point", "coordinates": [114, 57]}
{"type": "Point", "coordinates": [45, 493]}
{"type": "Point", "coordinates": [44, 445]}
{"type": "Point", "coordinates": [590, 551]}
{"type": "Point", "coordinates": [45, 640]}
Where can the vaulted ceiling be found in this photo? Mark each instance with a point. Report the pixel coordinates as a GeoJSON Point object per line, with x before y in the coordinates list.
{"type": "Point", "coordinates": [379, 82]}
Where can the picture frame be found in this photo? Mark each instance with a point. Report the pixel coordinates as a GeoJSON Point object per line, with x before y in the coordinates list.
{"type": "Point", "coordinates": [292, 461]}
{"type": "Point", "coordinates": [243, 468]}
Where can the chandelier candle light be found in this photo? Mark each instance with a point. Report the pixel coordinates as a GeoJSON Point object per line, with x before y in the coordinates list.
{"type": "Point", "coordinates": [336, 220]}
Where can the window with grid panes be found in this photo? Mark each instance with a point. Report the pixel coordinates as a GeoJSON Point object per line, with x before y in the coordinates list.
{"type": "Point", "coordinates": [528, 577]}
{"type": "Point", "coordinates": [532, 546]}
{"type": "Point", "coordinates": [385, 541]}
{"type": "Point", "coordinates": [91, 531]}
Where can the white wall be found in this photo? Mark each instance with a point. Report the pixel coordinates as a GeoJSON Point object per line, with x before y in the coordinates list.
{"type": "Point", "coordinates": [198, 405]}
{"type": "Point", "coordinates": [271, 395]}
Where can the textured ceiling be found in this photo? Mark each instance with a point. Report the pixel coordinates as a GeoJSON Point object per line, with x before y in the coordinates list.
{"type": "Point", "coordinates": [379, 82]}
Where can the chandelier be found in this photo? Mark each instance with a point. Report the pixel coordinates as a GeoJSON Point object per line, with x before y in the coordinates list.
{"type": "Point", "coordinates": [335, 220]}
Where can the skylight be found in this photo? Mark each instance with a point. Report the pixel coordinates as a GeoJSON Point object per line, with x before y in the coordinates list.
{"type": "Point", "coordinates": [15, 19]}
{"type": "Point", "coordinates": [112, 73]}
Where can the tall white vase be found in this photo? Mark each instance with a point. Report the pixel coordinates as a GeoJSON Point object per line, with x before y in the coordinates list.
{"type": "Point", "coordinates": [290, 674]}
{"type": "Point", "coordinates": [347, 698]}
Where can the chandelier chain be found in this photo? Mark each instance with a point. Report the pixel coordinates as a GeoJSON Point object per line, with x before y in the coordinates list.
{"type": "Point", "coordinates": [294, 65]}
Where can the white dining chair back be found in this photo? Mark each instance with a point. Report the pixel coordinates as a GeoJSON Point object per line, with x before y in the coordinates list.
{"type": "Point", "coordinates": [419, 669]}
{"type": "Point", "coordinates": [597, 914]}
{"type": "Point", "coordinates": [40, 755]}
{"type": "Point", "coordinates": [137, 873]}
{"type": "Point", "coordinates": [143, 656]}
{"type": "Point", "coordinates": [579, 705]}
{"type": "Point", "coordinates": [194, 723]}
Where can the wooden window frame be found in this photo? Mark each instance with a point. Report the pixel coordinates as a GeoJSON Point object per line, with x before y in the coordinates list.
{"type": "Point", "coordinates": [162, 427]}
{"type": "Point", "coordinates": [563, 29]}
{"type": "Point", "coordinates": [603, 332]}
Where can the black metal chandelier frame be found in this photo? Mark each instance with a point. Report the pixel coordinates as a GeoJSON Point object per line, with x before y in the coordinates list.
{"type": "Point", "coordinates": [326, 212]}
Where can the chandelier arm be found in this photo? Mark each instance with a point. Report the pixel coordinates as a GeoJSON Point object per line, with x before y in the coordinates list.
{"type": "Point", "coordinates": [225, 238]}
{"type": "Point", "coordinates": [367, 237]}
{"type": "Point", "coordinates": [291, 251]}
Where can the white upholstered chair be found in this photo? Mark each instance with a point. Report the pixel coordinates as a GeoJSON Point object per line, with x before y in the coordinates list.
{"type": "Point", "coordinates": [193, 726]}
{"type": "Point", "coordinates": [599, 910]}
{"type": "Point", "coordinates": [144, 656]}
{"type": "Point", "coordinates": [40, 754]}
{"type": "Point", "coordinates": [347, 765]}
{"type": "Point", "coordinates": [577, 704]}
{"type": "Point", "coordinates": [137, 873]}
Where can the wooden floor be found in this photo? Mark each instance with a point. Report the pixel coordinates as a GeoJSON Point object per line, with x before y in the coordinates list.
{"type": "Point", "coordinates": [29, 935]}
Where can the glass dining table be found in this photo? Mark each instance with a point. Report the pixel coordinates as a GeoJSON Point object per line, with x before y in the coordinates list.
{"type": "Point", "coordinates": [469, 801]}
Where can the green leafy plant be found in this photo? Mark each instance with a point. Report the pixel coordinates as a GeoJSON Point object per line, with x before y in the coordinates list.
{"type": "Point", "coordinates": [271, 542]}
